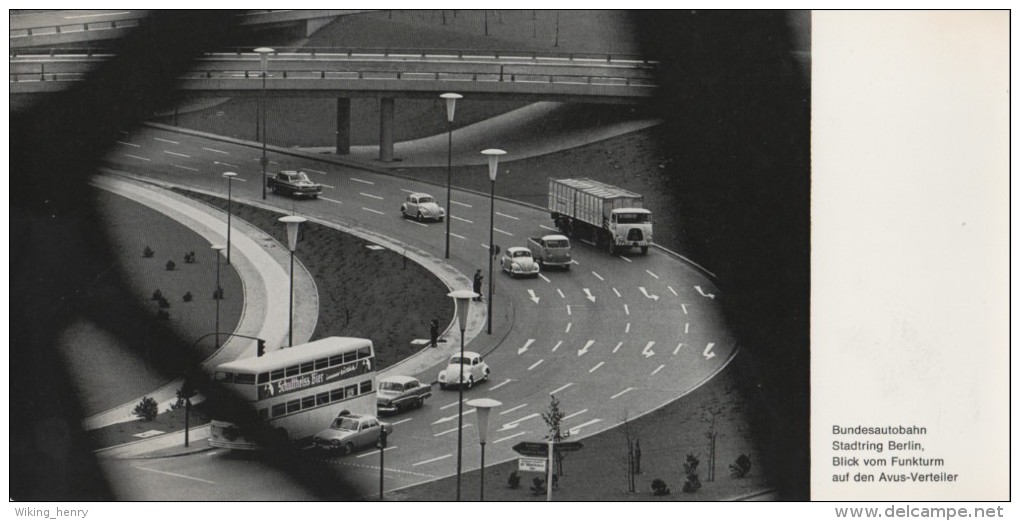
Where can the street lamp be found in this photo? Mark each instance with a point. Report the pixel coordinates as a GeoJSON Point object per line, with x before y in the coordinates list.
{"type": "Point", "coordinates": [463, 298]}
{"type": "Point", "coordinates": [292, 222]}
{"type": "Point", "coordinates": [230, 178]}
{"type": "Point", "coordinates": [451, 104]}
{"type": "Point", "coordinates": [216, 294]}
{"type": "Point", "coordinates": [264, 53]}
{"type": "Point", "coordinates": [484, 406]}
{"type": "Point", "coordinates": [493, 155]}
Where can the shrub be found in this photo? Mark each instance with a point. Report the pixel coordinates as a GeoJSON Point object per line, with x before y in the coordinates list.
{"type": "Point", "coordinates": [162, 314]}
{"type": "Point", "coordinates": [170, 265]}
{"type": "Point", "coordinates": [659, 488]}
{"type": "Point", "coordinates": [693, 483]}
{"type": "Point", "coordinates": [187, 297]}
{"type": "Point", "coordinates": [538, 486]}
{"type": "Point", "coordinates": [148, 252]}
{"type": "Point", "coordinates": [741, 467]}
{"type": "Point", "coordinates": [146, 409]}
{"type": "Point", "coordinates": [163, 302]}
{"type": "Point", "coordinates": [217, 294]}
{"type": "Point", "coordinates": [156, 295]}
{"type": "Point", "coordinates": [514, 481]}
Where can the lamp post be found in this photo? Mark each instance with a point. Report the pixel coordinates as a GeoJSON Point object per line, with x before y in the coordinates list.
{"type": "Point", "coordinates": [493, 155]}
{"type": "Point", "coordinates": [484, 406]}
{"type": "Point", "coordinates": [463, 298]}
{"type": "Point", "coordinates": [216, 294]}
{"type": "Point", "coordinates": [264, 53]}
{"type": "Point", "coordinates": [292, 222]}
{"type": "Point", "coordinates": [230, 182]}
{"type": "Point", "coordinates": [451, 105]}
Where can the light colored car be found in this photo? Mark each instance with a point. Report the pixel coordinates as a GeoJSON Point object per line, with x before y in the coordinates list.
{"type": "Point", "coordinates": [395, 393]}
{"type": "Point", "coordinates": [422, 207]}
{"type": "Point", "coordinates": [475, 371]}
{"type": "Point", "coordinates": [517, 261]}
{"type": "Point", "coordinates": [351, 432]}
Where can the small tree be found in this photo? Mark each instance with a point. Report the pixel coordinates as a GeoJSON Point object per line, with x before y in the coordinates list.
{"type": "Point", "coordinates": [148, 252]}
{"type": "Point", "coordinates": [146, 409]}
{"type": "Point", "coordinates": [171, 265]}
{"type": "Point", "coordinates": [553, 417]}
{"type": "Point", "coordinates": [156, 295]}
{"type": "Point", "coordinates": [187, 297]}
{"type": "Point", "coordinates": [693, 483]}
{"type": "Point", "coordinates": [741, 467]}
{"type": "Point", "coordinates": [659, 488]}
{"type": "Point", "coordinates": [162, 314]}
{"type": "Point", "coordinates": [628, 437]}
{"type": "Point", "coordinates": [163, 302]}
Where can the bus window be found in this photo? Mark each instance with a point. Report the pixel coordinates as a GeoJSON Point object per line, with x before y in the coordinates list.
{"type": "Point", "coordinates": [364, 352]}
{"type": "Point", "coordinates": [242, 378]}
{"type": "Point", "coordinates": [351, 390]}
{"type": "Point", "coordinates": [366, 386]}
{"type": "Point", "coordinates": [263, 378]}
{"type": "Point", "coordinates": [336, 395]}
{"type": "Point", "coordinates": [293, 370]}
{"type": "Point", "coordinates": [336, 360]}
{"type": "Point", "coordinates": [322, 399]}
{"type": "Point", "coordinates": [307, 367]}
{"type": "Point", "coordinates": [293, 406]}
{"type": "Point", "coordinates": [279, 410]}
{"type": "Point", "coordinates": [277, 374]}
{"type": "Point", "coordinates": [308, 402]}
{"type": "Point", "coordinates": [321, 363]}
{"type": "Point", "coordinates": [350, 356]}
{"type": "Point", "coordinates": [224, 377]}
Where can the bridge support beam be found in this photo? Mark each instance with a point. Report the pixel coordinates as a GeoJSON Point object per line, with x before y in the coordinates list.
{"type": "Point", "coordinates": [343, 126]}
{"type": "Point", "coordinates": [386, 109]}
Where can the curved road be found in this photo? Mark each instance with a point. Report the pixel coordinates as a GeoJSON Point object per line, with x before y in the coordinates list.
{"type": "Point", "coordinates": [614, 336]}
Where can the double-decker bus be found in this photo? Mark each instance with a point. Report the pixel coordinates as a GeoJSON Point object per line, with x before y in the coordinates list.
{"type": "Point", "coordinates": [298, 391]}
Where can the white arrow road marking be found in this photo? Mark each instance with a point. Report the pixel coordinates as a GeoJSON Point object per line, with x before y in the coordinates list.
{"type": "Point", "coordinates": [578, 413]}
{"type": "Point", "coordinates": [176, 153]}
{"type": "Point", "coordinates": [462, 204]}
{"type": "Point", "coordinates": [708, 351]}
{"type": "Point", "coordinates": [501, 231]}
{"type": "Point", "coordinates": [647, 351]}
{"type": "Point", "coordinates": [129, 144]}
{"type": "Point", "coordinates": [624, 258]}
{"type": "Point", "coordinates": [508, 411]}
{"type": "Point", "coordinates": [137, 157]}
{"type": "Point", "coordinates": [568, 327]}
{"type": "Point", "coordinates": [217, 151]}
{"type": "Point", "coordinates": [515, 423]}
{"type": "Point", "coordinates": [176, 475]}
{"type": "Point", "coordinates": [186, 168]}
{"type": "Point", "coordinates": [531, 294]}
{"type": "Point", "coordinates": [374, 452]}
{"type": "Point", "coordinates": [431, 460]}
{"type": "Point", "coordinates": [584, 349]}
{"type": "Point", "coordinates": [320, 172]}
{"type": "Point", "coordinates": [561, 388]}
{"type": "Point", "coordinates": [675, 294]}
{"type": "Point", "coordinates": [448, 431]}
{"type": "Point", "coordinates": [560, 292]}
{"type": "Point", "coordinates": [657, 369]}
{"type": "Point", "coordinates": [512, 436]}
{"type": "Point", "coordinates": [577, 429]}
{"type": "Point", "coordinates": [621, 393]}
{"type": "Point", "coordinates": [687, 327]}
{"type": "Point", "coordinates": [574, 262]}
{"type": "Point", "coordinates": [497, 386]}
{"type": "Point", "coordinates": [588, 295]}
{"type": "Point", "coordinates": [597, 276]}
{"type": "Point", "coordinates": [646, 294]}
{"type": "Point", "coordinates": [703, 294]}
{"type": "Point", "coordinates": [372, 196]}
{"type": "Point", "coordinates": [557, 346]}
{"type": "Point", "coordinates": [454, 417]}
{"type": "Point", "coordinates": [593, 369]}
{"type": "Point", "coordinates": [544, 227]}
{"type": "Point", "coordinates": [652, 274]}
{"type": "Point", "coordinates": [507, 216]}
{"type": "Point", "coordinates": [330, 200]}
{"type": "Point", "coordinates": [461, 219]}
{"type": "Point", "coordinates": [521, 350]}
{"type": "Point", "coordinates": [447, 406]}
{"type": "Point", "coordinates": [371, 210]}
{"type": "Point", "coordinates": [166, 140]}
{"type": "Point", "coordinates": [678, 346]}
{"type": "Point", "coordinates": [226, 164]}
{"type": "Point", "coordinates": [543, 277]}
{"type": "Point", "coordinates": [615, 349]}
{"type": "Point", "coordinates": [536, 364]}
{"type": "Point", "coordinates": [684, 307]}
{"type": "Point", "coordinates": [355, 179]}
{"type": "Point", "coordinates": [617, 292]}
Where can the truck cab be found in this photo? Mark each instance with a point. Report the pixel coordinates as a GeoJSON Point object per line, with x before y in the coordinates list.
{"type": "Point", "coordinates": [631, 228]}
{"type": "Point", "coordinates": [550, 250]}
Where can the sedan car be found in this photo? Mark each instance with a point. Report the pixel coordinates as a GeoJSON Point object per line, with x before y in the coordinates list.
{"type": "Point", "coordinates": [351, 432]}
{"type": "Point", "coordinates": [395, 393]}
{"type": "Point", "coordinates": [475, 370]}
{"type": "Point", "coordinates": [422, 207]}
{"type": "Point", "coordinates": [517, 261]}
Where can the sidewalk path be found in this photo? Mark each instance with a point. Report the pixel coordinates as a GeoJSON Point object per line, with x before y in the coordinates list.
{"type": "Point", "coordinates": [262, 265]}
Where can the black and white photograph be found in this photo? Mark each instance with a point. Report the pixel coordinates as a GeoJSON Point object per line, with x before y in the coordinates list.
{"type": "Point", "coordinates": [504, 255]}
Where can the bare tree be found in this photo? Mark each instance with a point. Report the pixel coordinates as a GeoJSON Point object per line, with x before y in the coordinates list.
{"type": "Point", "coordinates": [710, 415]}
{"type": "Point", "coordinates": [553, 418]}
{"type": "Point", "coordinates": [628, 437]}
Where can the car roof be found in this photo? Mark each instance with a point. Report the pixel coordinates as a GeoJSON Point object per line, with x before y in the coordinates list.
{"type": "Point", "coordinates": [517, 248]}
{"type": "Point", "coordinates": [468, 354]}
{"type": "Point", "coordinates": [419, 194]}
{"type": "Point", "coordinates": [400, 379]}
{"type": "Point", "coordinates": [555, 238]}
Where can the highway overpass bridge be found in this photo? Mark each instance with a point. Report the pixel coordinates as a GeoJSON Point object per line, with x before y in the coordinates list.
{"type": "Point", "coordinates": [383, 74]}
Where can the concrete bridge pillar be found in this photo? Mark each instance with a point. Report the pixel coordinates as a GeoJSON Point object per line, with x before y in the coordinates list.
{"type": "Point", "coordinates": [386, 108]}
{"type": "Point", "coordinates": [343, 126]}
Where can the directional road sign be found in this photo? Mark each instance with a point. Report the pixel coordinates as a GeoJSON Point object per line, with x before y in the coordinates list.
{"type": "Point", "coordinates": [568, 446]}
{"type": "Point", "coordinates": [526, 464]}
{"type": "Point", "coordinates": [531, 448]}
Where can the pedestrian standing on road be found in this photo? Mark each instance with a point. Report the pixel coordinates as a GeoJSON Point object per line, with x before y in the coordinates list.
{"type": "Point", "coordinates": [478, 285]}
{"type": "Point", "coordinates": [434, 332]}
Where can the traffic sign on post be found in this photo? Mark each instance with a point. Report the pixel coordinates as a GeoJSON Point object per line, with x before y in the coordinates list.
{"type": "Point", "coordinates": [569, 446]}
{"type": "Point", "coordinates": [531, 448]}
{"type": "Point", "coordinates": [526, 464]}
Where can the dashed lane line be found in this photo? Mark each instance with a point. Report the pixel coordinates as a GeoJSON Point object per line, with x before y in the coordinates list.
{"type": "Point", "coordinates": [652, 274]}
{"type": "Point", "coordinates": [557, 346]}
{"type": "Point", "coordinates": [568, 327]}
{"type": "Point", "coordinates": [561, 388]}
{"type": "Point", "coordinates": [447, 406]}
{"type": "Point", "coordinates": [536, 364]}
{"type": "Point", "coordinates": [462, 204]}
{"type": "Point", "coordinates": [678, 346]}
{"type": "Point", "coordinates": [684, 307]}
{"type": "Point", "coordinates": [597, 276]}
{"type": "Point", "coordinates": [166, 140]}
{"type": "Point", "coordinates": [578, 413]}
{"type": "Point", "coordinates": [448, 431]}
{"type": "Point", "coordinates": [176, 154]}
{"type": "Point", "coordinates": [330, 187]}
{"type": "Point", "coordinates": [128, 144]}
{"type": "Point", "coordinates": [627, 329]}
{"type": "Point", "coordinates": [626, 309]}
{"type": "Point", "coordinates": [433, 459]}
{"type": "Point", "coordinates": [560, 293]}
{"type": "Point", "coordinates": [508, 216]}
{"type": "Point", "coordinates": [225, 164]}
{"type": "Point", "coordinates": [330, 200]}
{"type": "Point", "coordinates": [657, 369]}
{"type": "Point", "coordinates": [374, 452]}
{"type": "Point", "coordinates": [598, 365]}
{"type": "Point", "coordinates": [423, 225]}
{"type": "Point", "coordinates": [617, 293]}
{"type": "Point", "coordinates": [320, 172]}
{"type": "Point", "coordinates": [371, 210]}
{"type": "Point", "coordinates": [675, 294]}
{"type": "Point", "coordinates": [372, 196]}
{"type": "Point", "coordinates": [186, 168]}
{"type": "Point", "coordinates": [508, 411]}
{"type": "Point", "coordinates": [510, 437]}
{"type": "Point", "coordinates": [401, 421]}
{"type": "Point", "coordinates": [175, 475]}
{"type": "Point", "coordinates": [617, 348]}
{"type": "Point", "coordinates": [458, 236]}
{"type": "Point", "coordinates": [501, 384]}
{"type": "Point", "coordinates": [138, 157]}
{"type": "Point", "coordinates": [624, 258]}
{"type": "Point", "coordinates": [217, 151]}
{"type": "Point", "coordinates": [461, 219]}
{"type": "Point", "coordinates": [503, 232]}
{"type": "Point", "coordinates": [355, 179]}
{"type": "Point", "coordinates": [543, 277]}
{"type": "Point", "coordinates": [621, 393]}
{"type": "Point", "coordinates": [544, 227]}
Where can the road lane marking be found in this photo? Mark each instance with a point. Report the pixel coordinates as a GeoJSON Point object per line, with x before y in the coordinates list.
{"type": "Point", "coordinates": [486, 246]}
{"type": "Point", "coordinates": [448, 431]}
{"type": "Point", "coordinates": [423, 225]}
{"type": "Point", "coordinates": [536, 364]}
{"type": "Point", "coordinates": [355, 179]}
{"type": "Point", "coordinates": [315, 171]}
{"type": "Point", "coordinates": [626, 309]}
{"type": "Point", "coordinates": [501, 231]}
{"type": "Point", "coordinates": [687, 327]}
{"type": "Point", "coordinates": [624, 258]}
{"type": "Point", "coordinates": [568, 310]}
{"type": "Point", "coordinates": [405, 190]}
{"type": "Point", "coordinates": [647, 351]}
{"type": "Point", "coordinates": [507, 216]}
{"type": "Point", "coordinates": [501, 384]}
{"type": "Point", "coordinates": [562, 388]}
{"type": "Point", "coordinates": [707, 353]}
{"type": "Point", "coordinates": [462, 204]}
{"type": "Point", "coordinates": [401, 421]}
{"type": "Point", "coordinates": [647, 294]}
{"type": "Point", "coordinates": [454, 417]}
{"type": "Point", "coordinates": [543, 277]}
{"type": "Point", "coordinates": [597, 276]}
{"type": "Point", "coordinates": [617, 293]}
{"type": "Point", "coordinates": [176, 154]}
{"type": "Point", "coordinates": [657, 369]}
{"type": "Point", "coordinates": [372, 196]}
{"type": "Point", "coordinates": [331, 187]}
{"type": "Point", "coordinates": [577, 429]}
{"type": "Point", "coordinates": [515, 423]}
{"type": "Point", "coordinates": [129, 144]}
{"type": "Point", "coordinates": [652, 274]}
{"type": "Point", "coordinates": [678, 346]}
{"type": "Point", "coordinates": [522, 350]}
{"type": "Point", "coordinates": [531, 295]}
{"type": "Point", "coordinates": [447, 406]}
{"type": "Point", "coordinates": [544, 227]}
{"type": "Point", "coordinates": [330, 200]}
{"type": "Point", "coordinates": [703, 294]}
{"type": "Point", "coordinates": [186, 168]}
{"type": "Point", "coordinates": [684, 307]}
{"type": "Point", "coordinates": [371, 210]}
{"type": "Point", "coordinates": [621, 393]}
{"type": "Point", "coordinates": [217, 151]}
{"type": "Point", "coordinates": [568, 327]}
{"type": "Point", "coordinates": [138, 157]}
{"type": "Point", "coordinates": [458, 236]}
{"type": "Point", "coordinates": [273, 163]}
{"type": "Point", "coordinates": [373, 453]}
{"type": "Point", "coordinates": [675, 294]}
{"type": "Point", "coordinates": [560, 293]}
{"type": "Point", "coordinates": [239, 180]}
{"type": "Point", "coordinates": [165, 140]}
{"type": "Point", "coordinates": [598, 365]}
{"type": "Point", "coordinates": [617, 348]}
{"type": "Point", "coordinates": [557, 346]}
{"type": "Point", "coordinates": [176, 475]}
{"type": "Point", "coordinates": [627, 329]}
{"type": "Point", "coordinates": [461, 219]}
{"type": "Point", "coordinates": [225, 164]}
{"type": "Point", "coordinates": [432, 460]}
{"type": "Point", "coordinates": [584, 350]}
{"type": "Point", "coordinates": [522, 433]}
{"type": "Point", "coordinates": [508, 411]}
{"type": "Point", "coordinates": [578, 413]}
